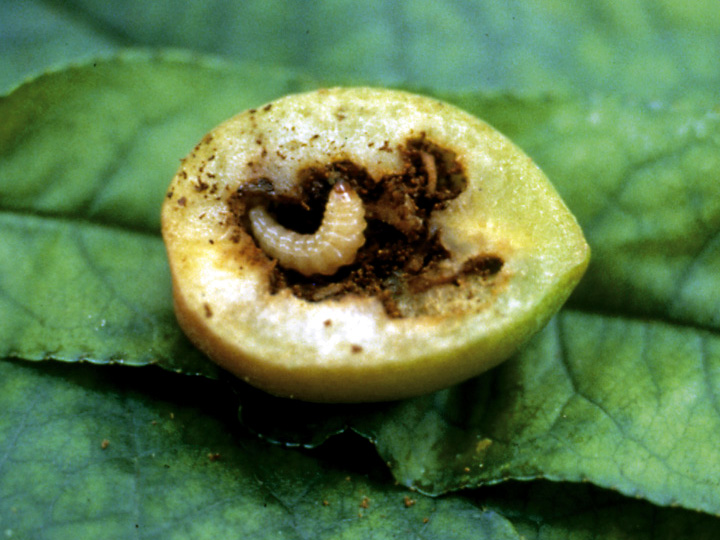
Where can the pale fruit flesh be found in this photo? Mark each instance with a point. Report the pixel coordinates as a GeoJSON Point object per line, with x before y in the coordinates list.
{"type": "Point", "coordinates": [504, 251]}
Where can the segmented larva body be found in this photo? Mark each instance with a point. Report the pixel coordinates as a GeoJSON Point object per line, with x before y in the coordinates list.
{"type": "Point", "coordinates": [333, 245]}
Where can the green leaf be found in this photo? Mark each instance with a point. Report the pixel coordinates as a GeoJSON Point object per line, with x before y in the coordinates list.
{"type": "Point", "coordinates": [640, 171]}
{"type": "Point", "coordinates": [640, 174]}
{"type": "Point", "coordinates": [552, 511]}
{"type": "Point", "coordinates": [628, 405]}
{"type": "Point", "coordinates": [68, 256]}
{"type": "Point", "coordinates": [640, 47]}
{"type": "Point", "coordinates": [36, 36]}
{"type": "Point", "coordinates": [103, 453]}
{"type": "Point", "coordinates": [86, 155]}
{"type": "Point", "coordinates": [72, 290]}
{"type": "Point", "coordinates": [89, 452]}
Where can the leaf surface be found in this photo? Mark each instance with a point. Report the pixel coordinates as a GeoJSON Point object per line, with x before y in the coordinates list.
{"type": "Point", "coordinates": [36, 36]}
{"type": "Point", "coordinates": [628, 405]}
{"type": "Point", "coordinates": [131, 320]}
{"type": "Point", "coordinates": [90, 452]}
{"type": "Point", "coordinates": [638, 166]}
{"type": "Point", "coordinates": [86, 155]}
{"type": "Point", "coordinates": [102, 453]}
{"type": "Point", "coordinates": [640, 47]}
{"type": "Point", "coordinates": [553, 511]}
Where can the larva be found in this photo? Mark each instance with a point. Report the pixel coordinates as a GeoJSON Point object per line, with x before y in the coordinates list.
{"type": "Point", "coordinates": [431, 169]}
{"type": "Point", "coordinates": [333, 245]}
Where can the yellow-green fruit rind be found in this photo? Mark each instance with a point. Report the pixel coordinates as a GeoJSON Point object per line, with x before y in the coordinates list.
{"type": "Point", "coordinates": [349, 349]}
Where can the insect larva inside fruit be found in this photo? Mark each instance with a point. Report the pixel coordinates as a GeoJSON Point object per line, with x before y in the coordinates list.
{"type": "Point", "coordinates": [333, 245]}
{"type": "Point", "coordinates": [360, 244]}
{"type": "Point", "coordinates": [431, 170]}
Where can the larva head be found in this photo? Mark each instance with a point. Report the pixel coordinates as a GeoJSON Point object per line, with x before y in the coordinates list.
{"type": "Point", "coordinates": [442, 249]}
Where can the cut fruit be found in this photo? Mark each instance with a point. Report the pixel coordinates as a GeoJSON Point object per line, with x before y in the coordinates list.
{"type": "Point", "coordinates": [461, 251]}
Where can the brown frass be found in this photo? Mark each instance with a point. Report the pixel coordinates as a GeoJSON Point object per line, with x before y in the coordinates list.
{"type": "Point", "coordinates": [400, 255]}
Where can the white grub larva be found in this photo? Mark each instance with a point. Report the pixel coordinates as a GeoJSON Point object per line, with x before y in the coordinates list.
{"type": "Point", "coordinates": [333, 245]}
